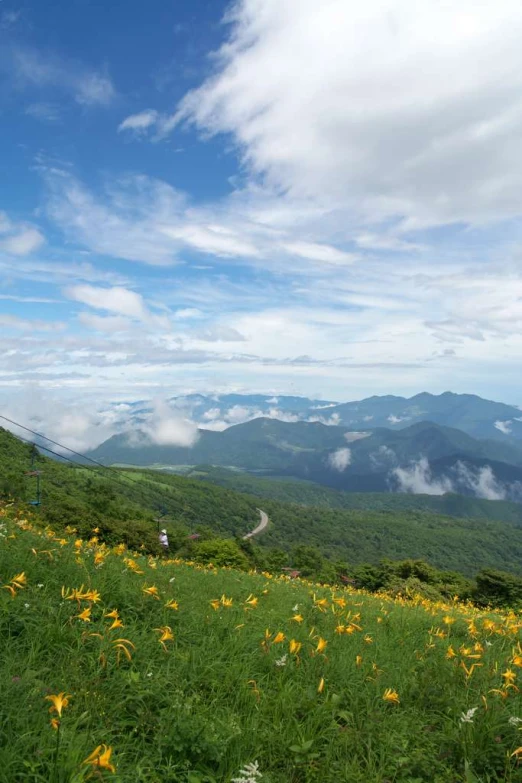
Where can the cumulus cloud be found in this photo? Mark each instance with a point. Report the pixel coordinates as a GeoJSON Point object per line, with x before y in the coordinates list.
{"type": "Point", "coordinates": [68, 424]}
{"type": "Point", "coordinates": [392, 108]}
{"type": "Point", "coordinates": [166, 427]}
{"type": "Point", "coordinates": [504, 427]}
{"type": "Point", "coordinates": [479, 481]}
{"type": "Point", "coordinates": [482, 482]}
{"type": "Point", "coordinates": [396, 419]}
{"type": "Point", "coordinates": [340, 459]}
{"type": "Point", "coordinates": [417, 479]}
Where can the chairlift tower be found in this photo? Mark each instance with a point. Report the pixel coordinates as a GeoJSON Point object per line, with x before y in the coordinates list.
{"type": "Point", "coordinates": [33, 473]}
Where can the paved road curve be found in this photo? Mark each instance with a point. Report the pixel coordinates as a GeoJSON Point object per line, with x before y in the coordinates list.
{"type": "Point", "coordinates": [259, 529]}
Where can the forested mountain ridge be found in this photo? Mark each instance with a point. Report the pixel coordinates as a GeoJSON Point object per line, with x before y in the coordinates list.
{"type": "Point", "coordinates": [424, 457]}
{"type": "Point", "coordinates": [308, 493]}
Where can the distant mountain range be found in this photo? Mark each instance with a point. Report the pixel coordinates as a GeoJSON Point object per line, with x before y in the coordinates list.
{"type": "Point", "coordinates": [425, 457]}
{"type": "Point", "coordinates": [473, 415]}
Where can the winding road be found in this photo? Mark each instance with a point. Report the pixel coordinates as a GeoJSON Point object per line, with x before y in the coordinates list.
{"type": "Point", "coordinates": [259, 529]}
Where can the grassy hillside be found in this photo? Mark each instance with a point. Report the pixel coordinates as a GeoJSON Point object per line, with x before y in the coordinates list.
{"type": "Point", "coordinates": [307, 493]}
{"type": "Point", "coordinates": [120, 500]}
{"type": "Point", "coordinates": [172, 672]}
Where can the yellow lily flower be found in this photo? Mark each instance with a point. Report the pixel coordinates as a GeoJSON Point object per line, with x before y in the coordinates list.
{"type": "Point", "coordinates": [166, 632]}
{"type": "Point", "coordinates": [114, 614]}
{"type": "Point", "coordinates": [297, 618]}
{"type": "Point", "coordinates": [321, 645]}
{"type": "Point", "coordinates": [100, 758]}
{"type": "Point", "coordinates": [320, 687]}
{"type": "Point", "coordinates": [295, 647]}
{"type": "Point", "coordinates": [172, 605]}
{"type": "Point", "coordinates": [391, 696]}
{"type": "Point", "coordinates": [59, 702]}
{"type": "Point", "coordinates": [19, 581]}
{"type": "Point", "coordinates": [152, 591]}
{"type": "Point", "coordinates": [278, 638]}
{"type": "Point", "coordinates": [85, 615]}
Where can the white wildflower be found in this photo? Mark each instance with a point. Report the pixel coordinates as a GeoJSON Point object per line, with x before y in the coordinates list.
{"type": "Point", "coordinates": [249, 774]}
{"type": "Point", "coordinates": [27, 606]}
{"type": "Point", "coordinates": [172, 579]}
{"type": "Point", "coordinates": [39, 586]}
{"type": "Point", "coordinates": [467, 717]}
{"type": "Point", "coordinates": [149, 674]}
{"type": "Point", "coordinates": [281, 661]}
{"type": "Point", "coordinates": [296, 607]}
{"type": "Point", "coordinates": [514, 720]}
{"type": "Point", "coordinates": [489, 644]}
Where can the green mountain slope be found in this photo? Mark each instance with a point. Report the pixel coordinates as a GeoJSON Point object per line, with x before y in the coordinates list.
{"type": "Point", "coordinates": [128, 503]}
{"type": "Point", "coordinates": [306, 449]}
{"type": "Point", "coordinates": [308, 493]}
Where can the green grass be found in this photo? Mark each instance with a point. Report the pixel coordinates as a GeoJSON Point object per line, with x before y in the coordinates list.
{"type": "Point", "coordinates": [215, 700]}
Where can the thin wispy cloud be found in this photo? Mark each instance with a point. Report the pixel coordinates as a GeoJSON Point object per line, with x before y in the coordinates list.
{"type": "Point", "coordinates": [27, 67]}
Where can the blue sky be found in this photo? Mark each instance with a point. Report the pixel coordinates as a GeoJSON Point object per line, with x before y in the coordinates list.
{"type": "Point", "coordinates": [270, 196]}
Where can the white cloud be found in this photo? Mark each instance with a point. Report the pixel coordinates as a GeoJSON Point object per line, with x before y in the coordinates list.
{"type": "Point", "coordinates": [351, 437]}
{"type": "Point", "coordinates": [396, 419]}
{"type": "Point", "coordinates": [139, 122]}
{"type": "Point", "coordinates": [188, 312]}
{"type": "Point", "coordinates": [29, 67]}
{"type": "Point", "coordinates": [18, 239]}
{"type": "Point", "coordinates": [105, 323]}
{"type": "Point", "coordinates": [417, 479]}
{"type": "Point", "coordinates": [165, 427]}
{"type": "Point", "coordinates": [115, 300]}
{"type": "Point", "coordinates": [482, 482]}
{"type": "Point", "coordinates": [23, 242]}
{"type": "Point", "coordinates": [69, 424]}
{"type": "Point", "coordinates": [317, 252]}
{"type": "Point", "coordinates": [340, 459]}
{"type": "Point", "coordinates": [504, 427]}
{"type": "Point", "coordinates": [392, 109]}
{"type": "Point", "coordinates": [27, 325]}
{"type": "Point", "coordinates": [44, 111]}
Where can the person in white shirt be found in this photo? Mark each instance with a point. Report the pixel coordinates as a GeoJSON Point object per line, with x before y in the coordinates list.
{"type": "Point", "coordinates": [164, 541]}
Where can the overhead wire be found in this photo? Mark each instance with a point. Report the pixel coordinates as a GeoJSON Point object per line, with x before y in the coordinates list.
{"type": "Point", "coordinates": [118, 480]}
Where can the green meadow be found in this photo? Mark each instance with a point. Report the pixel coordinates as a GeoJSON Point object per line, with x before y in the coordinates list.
{"type": "Point", "coordinates": [120, 666]}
